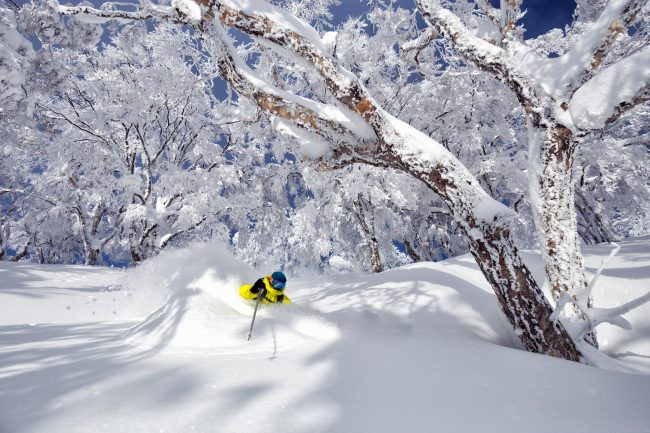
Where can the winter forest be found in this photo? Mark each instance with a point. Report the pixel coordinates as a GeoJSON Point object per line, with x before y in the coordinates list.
{"type": "Point", "coordinates": [448, 190]}
{"type": "Point", "coordinates": [417, 132]}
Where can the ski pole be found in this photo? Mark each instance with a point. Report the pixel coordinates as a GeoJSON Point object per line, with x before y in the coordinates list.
{"type": "Point", "coordinates": [260, 295]}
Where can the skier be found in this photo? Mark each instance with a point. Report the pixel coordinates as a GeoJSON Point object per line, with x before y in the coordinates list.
{"type": "Point", "coordinates": [272, 287]}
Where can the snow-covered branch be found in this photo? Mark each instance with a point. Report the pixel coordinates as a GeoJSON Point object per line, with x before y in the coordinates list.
{"type": "Point", "coordinates": [414, 48]}
{"type": "Point", "coordinates": [613, 91]}
{"type": "Point", "coordinates": [510, 14]}
{"type": "Point", "coordinates": [325, 120]}
{"type": "Point", "coordinates": [23, 192]}
{"type": "Point", "coordinates": [147, 11]}
{"type": "Point", "coordinates": [579, 63]}
{"type": "Point", "coordinates": [486, 56]}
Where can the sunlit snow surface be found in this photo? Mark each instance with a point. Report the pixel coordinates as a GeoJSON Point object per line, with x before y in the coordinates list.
{"type": "Point", "coordinates": [424, 348]}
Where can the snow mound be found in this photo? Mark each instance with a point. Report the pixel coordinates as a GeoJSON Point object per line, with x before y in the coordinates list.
{"type": "Point", "coordinates": [192, 303]}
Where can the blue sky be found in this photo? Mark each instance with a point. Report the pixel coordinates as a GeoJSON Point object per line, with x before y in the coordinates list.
{"type": "Point", "coordinates": [542, 15]}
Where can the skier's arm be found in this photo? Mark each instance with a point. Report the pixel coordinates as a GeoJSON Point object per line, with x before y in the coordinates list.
{"type": "Point", "coordinates": [259, 285]}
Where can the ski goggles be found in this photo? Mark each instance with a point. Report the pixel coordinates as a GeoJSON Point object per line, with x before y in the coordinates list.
{"type": "Point", "coordinates": [277, 285]}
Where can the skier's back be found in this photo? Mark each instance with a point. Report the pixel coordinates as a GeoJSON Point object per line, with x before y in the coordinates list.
{"type": "Point", "coordinates": [272, 287]}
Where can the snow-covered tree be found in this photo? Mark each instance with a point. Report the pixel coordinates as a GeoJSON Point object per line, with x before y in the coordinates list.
{"type": "Point", "coordinates": [152, 145]}
{"type": "Point", "coordinates": [567, 98]}
{"type": "Point", "coordinates": [15, 55]}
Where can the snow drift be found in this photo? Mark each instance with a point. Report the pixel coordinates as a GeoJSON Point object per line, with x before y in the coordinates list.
{"type": "Point", "coordinates": [421, 348]}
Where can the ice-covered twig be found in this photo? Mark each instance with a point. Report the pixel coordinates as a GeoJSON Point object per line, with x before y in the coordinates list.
{"type": "Point", "coordinates": [489, 11]}
{"type": "Point", "coordinates": [607, 314]}
{"type": "Point", "coordinates": [510, 14]}
{"type": "Point", "coordinates": [592, 283]}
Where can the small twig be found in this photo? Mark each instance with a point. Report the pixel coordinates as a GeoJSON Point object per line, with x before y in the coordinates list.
{"type": "Point", "coordinates": [591, 284]}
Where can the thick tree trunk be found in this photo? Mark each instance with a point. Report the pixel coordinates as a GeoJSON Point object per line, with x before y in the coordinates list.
{"type": "Point", "coordinates": [519, 296]}
{"type": "Point", "coordinates": [553, 199]}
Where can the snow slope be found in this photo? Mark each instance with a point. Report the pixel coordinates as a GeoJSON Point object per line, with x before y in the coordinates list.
{"type": "Point", "coordinates": [423, 348]}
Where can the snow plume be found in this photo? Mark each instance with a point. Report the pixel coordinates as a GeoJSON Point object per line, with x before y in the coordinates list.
{"type": "Point", "coordinates": [190, 300]}
{"type": "Point", "coordinates": [182, 292]}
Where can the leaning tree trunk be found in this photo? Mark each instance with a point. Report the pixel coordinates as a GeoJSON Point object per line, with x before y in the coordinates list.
{"type": "Point", "coordinates": [487, 234]}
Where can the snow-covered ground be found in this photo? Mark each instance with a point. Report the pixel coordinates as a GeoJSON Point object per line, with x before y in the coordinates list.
{"type": "Point", "coordinates": [423, 348]}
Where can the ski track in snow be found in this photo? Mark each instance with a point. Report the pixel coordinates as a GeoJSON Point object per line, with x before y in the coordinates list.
{"type": "Point", "coordinates": [163, 348]}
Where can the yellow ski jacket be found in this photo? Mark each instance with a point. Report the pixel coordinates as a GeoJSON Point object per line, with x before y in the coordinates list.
{"type": "Point", "coordinates": [273, 296]}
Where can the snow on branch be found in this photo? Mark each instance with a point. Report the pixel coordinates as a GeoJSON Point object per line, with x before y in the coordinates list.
{"type": "Point", "coordinates": [614, 90]}
{"type": "Point", "coordinates": [298, 42]}
{"type": "Point", "coordinates": [415, 47]}
{"type": "Point", "coordinates": [577, 65]}
{"type": "Point", "coordinates": [315, 117]}
{"type": "Point", "coordinates": [510, 14]}
{"type": "Point", "coordinates": [486, 56]}
{"type": "Point", "coordinates": [99, 16]}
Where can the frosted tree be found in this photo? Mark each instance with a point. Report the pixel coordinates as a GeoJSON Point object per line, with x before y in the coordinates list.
{"type": "Point", "coordinates": [355, 219]}
{"type": "Point", "coordinates": [346, 125]}
{"type": "Point", "coordinates": [15, 55]}
{"type": "Point", "coordinates": [566, 98]}
{"type": "Point", "coordinates": [148, 182]}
